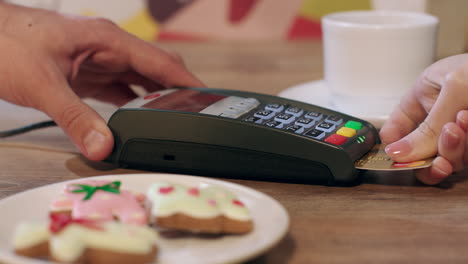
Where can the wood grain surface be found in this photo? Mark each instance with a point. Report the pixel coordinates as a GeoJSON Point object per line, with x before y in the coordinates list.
{"type": "Point", "coordinates": [386, 218]}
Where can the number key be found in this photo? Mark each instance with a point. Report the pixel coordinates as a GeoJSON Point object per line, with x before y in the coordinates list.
{"type": "Point", "coordinates": [264, 114]}
{"type": "Point", "coordinates": [334, 120]}
{"type": "Point", "coordinates": [295, 111]}
{"type": "Point", "coordinates": [315, 133]}
{"type": "Point", "coordinates": [275, 124]}
{"type": "Point", "coordinates": [274, 107]}
{"type": "Point", "coordinates": [313, 115]}
{"type": "Point", "coordinates": [327, 127]}
{"type": "Point", "coordinates": [295, 129]}
{"type": "Point", "coordinates": [305, 122]}
{"type": "Point", "coordinates": [285, 118]}
{"type": "Point", "coordinates": [253, 119]}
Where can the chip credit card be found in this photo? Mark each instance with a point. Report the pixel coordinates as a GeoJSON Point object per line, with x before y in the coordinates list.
{"type": "Point", "coordinates": [377, 159]}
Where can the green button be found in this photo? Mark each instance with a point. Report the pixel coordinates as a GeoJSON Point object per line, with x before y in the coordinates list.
{"type": "Point", "coordinates": [354, 125]}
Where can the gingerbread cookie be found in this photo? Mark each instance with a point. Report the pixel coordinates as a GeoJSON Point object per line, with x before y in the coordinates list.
{"type": "Point", "coordinates": [101, 200]}
{"type": "Point", "coordinates": [86, 241]}
{"type": "Point", "coordinates": [205, 209]}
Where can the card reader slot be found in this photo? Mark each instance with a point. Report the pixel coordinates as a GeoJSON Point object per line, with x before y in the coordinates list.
{"type": "Point", "coordinates": [220, 161]}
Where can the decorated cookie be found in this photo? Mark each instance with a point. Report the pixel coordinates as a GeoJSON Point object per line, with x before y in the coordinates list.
{"type": "Point", "coordinates": [101, 200]}
{"type": "Point", "coordinates": [205, 208]}
{"type": "Point", "coordinates": [86, 241]}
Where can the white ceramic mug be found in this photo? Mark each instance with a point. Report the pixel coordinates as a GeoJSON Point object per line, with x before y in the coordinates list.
{"type": "Point", "coordinates": [372, 58]}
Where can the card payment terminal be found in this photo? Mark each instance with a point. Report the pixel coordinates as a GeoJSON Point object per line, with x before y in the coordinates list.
{"type": "Point", "coordinates": [228, 133]}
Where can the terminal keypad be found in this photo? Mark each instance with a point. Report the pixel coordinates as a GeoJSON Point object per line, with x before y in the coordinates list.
{"type": "Point", "coordinates": [333, 129]}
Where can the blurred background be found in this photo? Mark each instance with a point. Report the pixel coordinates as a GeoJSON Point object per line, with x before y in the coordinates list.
{"type": "Point", "coordinates": [211, 20]}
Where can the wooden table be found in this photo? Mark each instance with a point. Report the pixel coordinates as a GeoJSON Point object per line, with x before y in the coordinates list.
{"type": "Point", "coordinates": [388, 218]}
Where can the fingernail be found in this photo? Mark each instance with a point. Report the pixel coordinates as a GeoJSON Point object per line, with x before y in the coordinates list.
{"type": "Point", "coordinates": [441, 173]}
{"type": "Point", "coordinates": [449, 138]}
{"type": "Point", "coordinates": [93, 142]}
{"type": "Point", "coordinates": [398, 149]}
{"type": "Point", "coordinates": [462, 119]}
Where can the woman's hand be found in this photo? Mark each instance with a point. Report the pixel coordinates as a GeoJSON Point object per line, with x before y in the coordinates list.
{"type": "Point", "coordinates": [432, 119]}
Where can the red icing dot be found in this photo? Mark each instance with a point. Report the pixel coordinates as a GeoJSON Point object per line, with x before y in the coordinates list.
{"type": "Point", "coordinates": [193, 191]}
{"type": "Point", "coordinates": [59, 221]}
{"type": "Point", "coordinates": [166, 190]}
{"type": "Point", "coordinates": [238, 203]}
{"type": "Point", "coordinates": [212, 202]}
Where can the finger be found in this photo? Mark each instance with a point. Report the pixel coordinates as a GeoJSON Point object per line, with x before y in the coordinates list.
{"type": "Point", "coordinates": [83, 125]}
{"type": "Point", "coordinates": [176, 56]}
{"type": "Point", "coordinates": [157, 65]}
{"type": "Point", "coordinates": [423, 141]}
{"type": "Point", "coordinates": [452, 145]}
{"type": "Point", "coordinates": [462, 122]}
{"type": "Point", "coordinates": [122, 52]}
{"type": "Point", "coordinates": [141, 57]}
{"type": "Point", "coordinates": [436, 173]}
{"type": "Point", "coordinates": [90, 83]}
{"type": "Point", "coordinates": [404, 119]}
{"type": "Point", "coordinates": [451, 152]}
{"type": "Point", "coordinates": [413, 108]}
{"type": "Point", "coordinates": [139, 80]}
{"type": "Point", "coordinates": [116, 93]}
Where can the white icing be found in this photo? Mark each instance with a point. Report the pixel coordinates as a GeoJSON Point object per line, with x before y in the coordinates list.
{"type": "Point", "coordinates": [224, 200]}
{"type": "Point", "coordinates": [178, 201]}
{"type": "Point", "coordinates": [69, 243]}
{"type": "Point", "coordinates": [28, 235]}
{"type": "Point", "coordinates": [117, 237]}
{"type": "Point", "coordinates": [210, 202]}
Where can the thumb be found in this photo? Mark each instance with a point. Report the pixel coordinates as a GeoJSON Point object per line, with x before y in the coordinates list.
{"type": "Point", "coordinates": [86, 128]}
{"type": "Point", "coordinates": [423, 141]}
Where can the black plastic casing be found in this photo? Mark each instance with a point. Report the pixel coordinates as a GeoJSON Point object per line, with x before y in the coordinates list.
{"type": "Point", "coordinates": [200, 144]}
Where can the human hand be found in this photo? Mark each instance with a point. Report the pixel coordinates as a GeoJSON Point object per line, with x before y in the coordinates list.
{"type": "Point", "coordinates": [432, 120]}
{"type": "Point", "coordinates": [49, 61]}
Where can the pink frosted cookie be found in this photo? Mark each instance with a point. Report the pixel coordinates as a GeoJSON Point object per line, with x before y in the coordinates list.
{"type": "Point", "coordinates": [205, 208]}
{"type": "Point", "coordinates": [84, 241]}
{"type": "Point", "coordinates": [101, 200]}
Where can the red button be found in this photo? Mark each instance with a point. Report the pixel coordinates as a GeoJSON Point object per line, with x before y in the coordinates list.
{"type": "Point", "coordinates": [336, 139]}
{"type": "Point", "coordinates": [152, 96]}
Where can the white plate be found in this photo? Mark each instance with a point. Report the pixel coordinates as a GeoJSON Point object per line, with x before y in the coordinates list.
{"type": "Point", "coordinates": [270, 219]}
{"type": "Point", "coordinates": [316, 93]}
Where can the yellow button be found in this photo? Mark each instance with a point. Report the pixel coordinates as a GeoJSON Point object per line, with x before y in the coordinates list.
{"type": "Point", "coordinates": [346, 131]}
